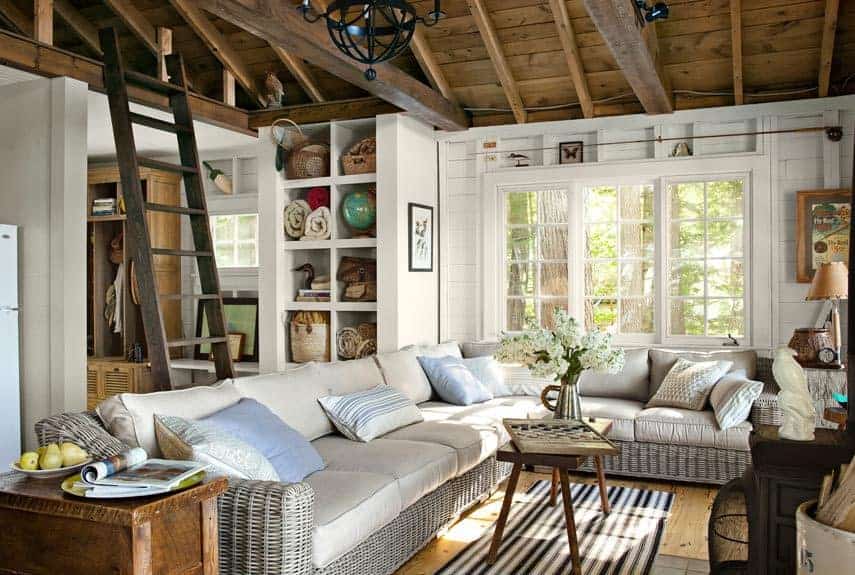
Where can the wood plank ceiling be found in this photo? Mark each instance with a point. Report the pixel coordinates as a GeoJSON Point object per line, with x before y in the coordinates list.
{"type": "Point", "coordinates": [789, 49]}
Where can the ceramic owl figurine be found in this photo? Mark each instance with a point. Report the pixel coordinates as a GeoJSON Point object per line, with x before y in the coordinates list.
{"type": "Point", "coordinates": [799, 414]}
{"type": "Point", "coordinates": [274, 91]}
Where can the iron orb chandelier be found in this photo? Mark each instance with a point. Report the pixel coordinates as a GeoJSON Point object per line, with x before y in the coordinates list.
{"type": "Point", "coordinates": [371, 31]}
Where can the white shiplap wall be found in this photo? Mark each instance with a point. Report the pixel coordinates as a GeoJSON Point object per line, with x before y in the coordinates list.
{"type": "Point", "coordinates": [796, 162]}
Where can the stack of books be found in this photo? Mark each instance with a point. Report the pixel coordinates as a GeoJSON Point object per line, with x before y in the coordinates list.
{"type": "Point", "coordinates": [313, 295]}
{"type": "Point", "coordinates": [104, 207]}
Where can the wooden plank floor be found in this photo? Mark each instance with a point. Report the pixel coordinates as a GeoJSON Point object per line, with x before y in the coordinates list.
{"type": "Point", "coordinates": [685, 531]}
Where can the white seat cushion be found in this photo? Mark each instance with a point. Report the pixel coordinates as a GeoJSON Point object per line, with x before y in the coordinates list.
{"type": "Point", "coordinates": [349, 507]}
{"type": "Point", "coordinates": [622, 412]}
{"type": "Point", "coordinates": [401, 371]}
{"type": "Point", "coordinates": [419, 467]}
{"type": "Point", "coordinates": [676, 426]}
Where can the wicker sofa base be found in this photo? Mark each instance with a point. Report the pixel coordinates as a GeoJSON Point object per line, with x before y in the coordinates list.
{"type": "Point", "coordinates": [390, 547]}
{"type": "Point", "coordinates": [675, 462]}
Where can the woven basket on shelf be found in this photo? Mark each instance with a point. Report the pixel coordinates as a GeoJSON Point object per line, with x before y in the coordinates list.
{"type": "Point", "coordinates": [361, 158]}
{"type": "Point", "coordinates": [306, 159]}
{"type": "Point", "coordinates": [310, 339]}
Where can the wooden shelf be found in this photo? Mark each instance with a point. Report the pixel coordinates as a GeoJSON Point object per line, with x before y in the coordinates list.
{"type": "Point", "coordinates": [309, 306]}
{"type": "Point", "coordinates": [113, 218]}
{"type": "Point", "coordinates": [356, 306]}
{"type": "Point", "coordinates": [308, 183]}
{"type": "Point", "coordinates": [205, 365]}
{"type": "Point", "coordinates": [308, 244]}
{"type": "Point", "coordinates": [356, 179]}
{"type": "Point", "coordinates": [356, 243]}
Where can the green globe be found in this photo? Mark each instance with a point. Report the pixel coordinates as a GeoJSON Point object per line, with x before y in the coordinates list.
{"type": "Point", "coordinates": [359, 209]}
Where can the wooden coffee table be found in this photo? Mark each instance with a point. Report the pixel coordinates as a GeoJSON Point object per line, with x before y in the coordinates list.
{"type": "Point", "coordinates": [45, 531]}
{"type": "Point", "coordinates": [560, 465]}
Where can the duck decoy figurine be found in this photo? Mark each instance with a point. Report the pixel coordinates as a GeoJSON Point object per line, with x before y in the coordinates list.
{"type": "Point", "coordinates": [309, 270]}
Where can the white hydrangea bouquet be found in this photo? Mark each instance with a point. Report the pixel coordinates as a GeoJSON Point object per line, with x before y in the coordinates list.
{"type": "Point", "coordinates": [562, 354]}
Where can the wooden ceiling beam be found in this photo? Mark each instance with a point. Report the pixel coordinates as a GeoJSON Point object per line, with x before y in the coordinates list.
{"type": "Point", "coordinates": [43, 21]}
{"type": "Point", "coordinates": [622, 28]}
{"type": "Point", "coordinates": [736, 49]}
{"type": "Point", "coordinates": [164, 49]}
{"type": "Point", "coordinates": [571, 52]}
{"type": "Point", "coordinates": [280, 24]}
{"type": "Point", "coordinates": [48, 61]}
{"type": "Point", "coordinates": [301, 73]}
{"type": "Point", "coordinates": [324, 112]}
{"type": "Point", "coordinates": [427, 62]}
{"type": "Point", "coordinates": [829, 30]}
{"type": "Point", "coordinates": [136, 22]}
{"type": "Point", "coordinates": [497, 55]}
{"type": "Point", "coordinates": [228, 88]}
{"type": "Point", "coordinates": [219, 45]}
{"type": "Point", "coordinates": [14, 16]}
{"type": "Point", "coordinates": [84, 29]}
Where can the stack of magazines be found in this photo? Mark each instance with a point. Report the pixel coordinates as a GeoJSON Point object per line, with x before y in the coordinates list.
{"type": "Point", "coordinates": [132, 474]}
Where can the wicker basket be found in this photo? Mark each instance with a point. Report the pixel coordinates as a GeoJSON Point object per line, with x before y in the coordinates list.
{"type": "Point", "coordinates": [306, 159]}
{"type": "Point", "coordinates": [310, 342]}
{"type": "Point", "coordinates": [361, 158]}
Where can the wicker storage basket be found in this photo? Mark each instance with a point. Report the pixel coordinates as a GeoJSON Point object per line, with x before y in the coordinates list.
{"type": "Point", "coordinates": [309, 160]}
{"type": "Point", "coordinates": [310, 342]}
{"type": "Point", "coordinates": [361, 158]}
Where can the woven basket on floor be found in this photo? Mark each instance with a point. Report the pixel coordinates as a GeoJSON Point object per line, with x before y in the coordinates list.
{"type": "Point", "coordinates": [310, 342]}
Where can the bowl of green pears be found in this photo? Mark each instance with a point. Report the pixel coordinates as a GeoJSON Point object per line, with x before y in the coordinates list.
{"type": "Point", "coordinates": [52, 461]}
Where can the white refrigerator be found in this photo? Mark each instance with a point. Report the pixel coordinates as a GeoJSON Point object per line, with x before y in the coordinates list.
{"type": "Point", "coordinates": [10, 381]}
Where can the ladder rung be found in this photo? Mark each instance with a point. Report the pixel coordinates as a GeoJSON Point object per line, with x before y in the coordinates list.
{"type": "Point", "coordinates": [152, 83]}
{"type": "Point", "coordinates": [174, 209]}
{"type": "Point", "coordinates": [162, 125]}
{"type": "Point", "coordinates": [200, 296]}
{"type": "Point", "coordinates": [196, 341]}
{"type": "Point", "coordinates": [181, 253]}
{"type": "Point", "coordinates": [166, 166]}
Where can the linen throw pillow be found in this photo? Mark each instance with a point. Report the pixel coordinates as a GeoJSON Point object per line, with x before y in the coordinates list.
{"type": "Point", "coordinates": [180, 438]}
{"type": "Point", "coordinates": [291, 454]}
{"type": "Point", "coordinates": [364, 415]}
{"type": "Point", "coordinates": [453, 382]}
{"type": "Point", "coordinates": [732, 397]}
{"type": "Point", "coordinates": [490, 373]}
{"type": "Point", "coordinates": [688, 384]}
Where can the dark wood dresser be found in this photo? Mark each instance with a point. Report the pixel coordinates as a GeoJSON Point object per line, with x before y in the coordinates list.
{"type": "Point", "coordinates": [783, 475]}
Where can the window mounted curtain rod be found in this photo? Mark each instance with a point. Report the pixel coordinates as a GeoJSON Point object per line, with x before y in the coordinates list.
{"type": "Point", "coordinates": [834, 133]}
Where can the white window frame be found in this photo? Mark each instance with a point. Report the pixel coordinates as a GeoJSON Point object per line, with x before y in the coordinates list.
{"type": "Point", "coordinates": [759, 222]}
{"type": "Point", "coordinates": [236, 242]}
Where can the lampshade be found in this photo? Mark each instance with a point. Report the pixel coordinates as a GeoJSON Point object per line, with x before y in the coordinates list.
{"type": "Point", "coordinates": [831, 281]}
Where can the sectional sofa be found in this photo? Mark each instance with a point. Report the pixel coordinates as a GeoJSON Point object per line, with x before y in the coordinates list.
{"type": "Point", "coordinates": [376, 504]}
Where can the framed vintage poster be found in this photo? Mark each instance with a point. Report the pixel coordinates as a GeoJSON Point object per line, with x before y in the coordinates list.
{"type": "Point", "coordinates": [420, 231]}
{"type": "Point", "coordinates": [822, 230]}
{"type": "Point", "coordinates": [241, 319]}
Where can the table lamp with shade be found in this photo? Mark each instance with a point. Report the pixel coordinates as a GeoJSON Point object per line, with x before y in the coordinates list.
{"type": "Point", "coordinates": [831, 282]}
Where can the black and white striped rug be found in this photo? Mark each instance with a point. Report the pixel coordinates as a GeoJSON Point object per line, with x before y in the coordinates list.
{"type": "Point", "coordinates": [535, 542]}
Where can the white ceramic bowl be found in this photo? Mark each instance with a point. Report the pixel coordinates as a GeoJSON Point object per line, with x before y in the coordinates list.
{"type": "Point", "coordinates": [49, 473]}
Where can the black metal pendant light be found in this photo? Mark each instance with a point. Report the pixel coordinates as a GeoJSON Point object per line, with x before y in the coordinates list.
{"type": "Point", "coordinates": [371, 31]}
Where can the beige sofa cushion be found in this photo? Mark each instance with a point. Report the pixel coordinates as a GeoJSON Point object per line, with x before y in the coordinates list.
{"type": "Point", "coordinates": [419, 467]}
{"type": "Point", "coordinates": [662, 360]}
{"type": "Point", "coordinates": [130, 416]}
{"type": "Point", "coordinates": [443, 349]}
{"type": "Point", "coordinates": [401, 371]}
{"type": "Point", "coordinates": [631, 383]}
{"type": "Point", "coordinates": [293, 396]}
{"type": "Point", "coordinates": [349, 507]}
{"type": "Point", "coordinates": [622, 412]}
{"type": "Point", "coordinates": [346, 377]}
{"type": "Point", "coordinates": [674, 426]}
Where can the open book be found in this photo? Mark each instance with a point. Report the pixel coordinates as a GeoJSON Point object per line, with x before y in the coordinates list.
{"type": "Point", "coordinates": [132, 474]}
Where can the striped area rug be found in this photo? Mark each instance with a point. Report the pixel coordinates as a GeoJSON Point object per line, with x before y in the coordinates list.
{"type": "Point", "coordinates": [625, 542]}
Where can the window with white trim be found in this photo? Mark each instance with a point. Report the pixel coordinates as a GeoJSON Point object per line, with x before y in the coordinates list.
{"type": "Point", "coordinates": [619, 258]}
{"type": "Point", "coordinates": [706, 258]}
{"type": "Point", "coordinates": [235, 240]}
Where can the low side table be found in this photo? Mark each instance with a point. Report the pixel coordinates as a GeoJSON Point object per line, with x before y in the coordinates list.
{"type": "Point", "coordinates": [45, 531]}
{"type": "Point", "coordinates": [560, 465]}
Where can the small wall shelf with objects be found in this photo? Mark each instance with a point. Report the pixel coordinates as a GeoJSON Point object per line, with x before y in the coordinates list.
{"type": "Point", "coordinates": [328, 240]}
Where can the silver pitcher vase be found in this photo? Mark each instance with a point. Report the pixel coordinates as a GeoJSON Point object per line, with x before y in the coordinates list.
{"type": "Point", "coordinates": [567, 405]}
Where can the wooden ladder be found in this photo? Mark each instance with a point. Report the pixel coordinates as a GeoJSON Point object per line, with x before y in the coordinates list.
{"type": "Point", "coordinates": [116, 80]}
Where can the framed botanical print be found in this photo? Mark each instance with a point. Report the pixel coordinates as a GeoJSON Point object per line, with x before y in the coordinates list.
{"type": "Point", "coordinates": [420, 231]}
{"type": "Point", "coordinates": [241, 315]}
{"type": "Point", "coordinates": [823, 218]}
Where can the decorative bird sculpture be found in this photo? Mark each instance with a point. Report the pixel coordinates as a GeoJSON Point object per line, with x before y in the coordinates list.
{"type": "Point", "coordinates": [275, 94]}
{"type": "Point", "coordinates": [309, 270]}
{"type": "Point", "coordinates": [521, 159]}
{"type": "Point", "coordinates": [799, 414]}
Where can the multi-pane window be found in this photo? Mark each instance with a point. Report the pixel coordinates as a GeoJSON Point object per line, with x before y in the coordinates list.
{"type": "Point", "coordinates": [619, 258]}
{"type": "Point", "coordinates": [536, 265]}
{"type": "Point", "coordinates": [705, 258]}
{"type": "Point", "coordinates": [235, 240]}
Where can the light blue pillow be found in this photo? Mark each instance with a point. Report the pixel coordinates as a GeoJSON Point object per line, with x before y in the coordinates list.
{"type": "Point", "coordinates": [490, 373]}
{"type": "Point", "coordinates": [453, 381]}
{"type": "Point", "coordinates": [291, 454]}
{"type": "Point", "coordinates": [364, 415]}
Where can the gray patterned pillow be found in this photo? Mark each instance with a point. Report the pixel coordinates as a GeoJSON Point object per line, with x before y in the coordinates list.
{"type": "Point", "coordinates": [179, 438]}
{"type": "Point", "coordinates": [688, 384]}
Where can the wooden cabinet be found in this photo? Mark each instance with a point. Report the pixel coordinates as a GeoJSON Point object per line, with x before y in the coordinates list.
{"type": "Point", "coordinates": [111, 376]}
{"type": "Point", "coordinates": [109, 246]}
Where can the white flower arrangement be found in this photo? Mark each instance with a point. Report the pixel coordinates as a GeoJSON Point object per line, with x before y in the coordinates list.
{"type": "Point", "coordinates": [562, 353]}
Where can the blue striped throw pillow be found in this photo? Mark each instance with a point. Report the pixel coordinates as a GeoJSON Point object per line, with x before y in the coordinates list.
{"type": "Point", "coordinates": [364, 415]}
